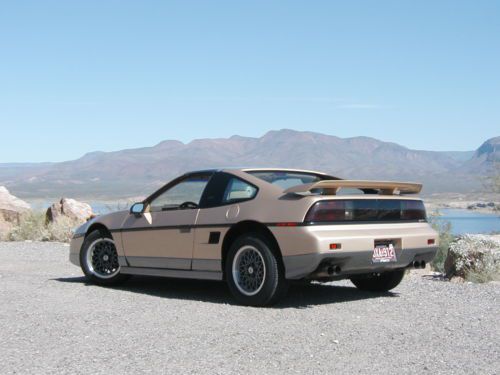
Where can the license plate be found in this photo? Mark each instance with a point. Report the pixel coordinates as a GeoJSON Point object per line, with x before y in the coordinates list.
{"type": "Point", "coordinates": [384, 254]}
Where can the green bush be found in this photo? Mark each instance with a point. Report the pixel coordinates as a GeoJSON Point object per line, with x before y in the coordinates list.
{"type": "Point", "coordinates": [445, 239]}
{"type": "Point", "coordinates": [33, 227]}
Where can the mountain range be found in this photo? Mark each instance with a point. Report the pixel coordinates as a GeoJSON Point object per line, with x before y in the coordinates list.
{"type": "Point", "coordinates": [132, 172]}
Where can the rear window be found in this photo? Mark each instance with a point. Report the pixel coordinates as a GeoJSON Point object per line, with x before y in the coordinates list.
{"type": "Point", "coordinates": [286, 179]}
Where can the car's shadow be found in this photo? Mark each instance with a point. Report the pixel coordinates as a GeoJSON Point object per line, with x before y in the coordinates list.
{"type": "Point", "coordinates": [300, 295]}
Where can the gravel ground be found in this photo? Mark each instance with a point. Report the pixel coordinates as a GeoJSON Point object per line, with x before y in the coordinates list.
{"type": "Point", "coordinates": [51, 321]}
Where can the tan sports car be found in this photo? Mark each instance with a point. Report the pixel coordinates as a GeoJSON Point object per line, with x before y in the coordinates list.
{"type": "Point", "coordinates": [258, 229]}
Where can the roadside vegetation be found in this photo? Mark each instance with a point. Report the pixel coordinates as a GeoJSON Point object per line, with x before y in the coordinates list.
{"type": "Point", "coordinates": [33, 226]}
{"type": "Point", "coordinates": [475, 258]}
{"type": "Point", "coordinates": [445, 239]}
{"type": "Point", "coordinates": [471, 257]}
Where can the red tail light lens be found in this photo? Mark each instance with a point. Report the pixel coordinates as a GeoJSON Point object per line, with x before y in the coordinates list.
{"type": "Point", "coordinates": [326, 211]}
{"type": "Point", "coordinates": [366, 210]}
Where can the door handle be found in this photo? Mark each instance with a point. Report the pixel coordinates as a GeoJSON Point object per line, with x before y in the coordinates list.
{"type": "Point", "coordinates": [185, 229]}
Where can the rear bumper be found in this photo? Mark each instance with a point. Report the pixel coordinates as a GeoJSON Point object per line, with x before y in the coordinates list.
{"type": "Point", "coordinates": [305, 249]}
{"type": "Point", "coordinates": [346, 263]}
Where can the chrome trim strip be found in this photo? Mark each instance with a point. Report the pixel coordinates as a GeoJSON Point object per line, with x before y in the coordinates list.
{"type": "Point", "coordinates": [181, 274]}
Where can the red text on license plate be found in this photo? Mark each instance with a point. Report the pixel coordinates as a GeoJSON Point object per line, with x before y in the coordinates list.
{"type": "Point", "coordinates": [384, 254]}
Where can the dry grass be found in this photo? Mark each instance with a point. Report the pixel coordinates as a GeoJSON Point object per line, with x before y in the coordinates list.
{"type": "Point", "coordinates": [476, 258]}
{"type": "Point", "coordinates": [33, 227]}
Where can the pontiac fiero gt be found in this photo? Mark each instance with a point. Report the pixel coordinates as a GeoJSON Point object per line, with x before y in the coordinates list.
{"type": "Point", "coordinates": [258, 229]}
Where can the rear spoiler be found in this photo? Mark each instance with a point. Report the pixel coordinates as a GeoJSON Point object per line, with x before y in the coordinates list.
{"type": "Point", "coordinates": [384, 187]}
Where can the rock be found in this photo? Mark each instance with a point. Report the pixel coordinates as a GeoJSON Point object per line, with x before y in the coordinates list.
{"type": "Point", "coordinates": [477, 253]}
{"type": "Point", "coordinates": [71, 208]}
{"type": "Point", "coordinates": [11, 209]}
{"type": "Point", "coordinates": [11, 206]}
{"type": "Point", "coordinates": [4, 228]}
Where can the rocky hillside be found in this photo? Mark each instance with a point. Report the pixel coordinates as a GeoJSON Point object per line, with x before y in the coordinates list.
{"type": "Point", "coordinates": [484, 158]}
{"type": "Point", "coordinates": [139, 171]}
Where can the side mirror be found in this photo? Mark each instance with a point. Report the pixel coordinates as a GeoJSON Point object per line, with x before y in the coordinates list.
{"type": "Point", "coordinates": [137, 209]}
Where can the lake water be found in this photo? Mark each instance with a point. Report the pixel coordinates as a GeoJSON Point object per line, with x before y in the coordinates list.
{"type": "Point", "coordinates": [467, 221]}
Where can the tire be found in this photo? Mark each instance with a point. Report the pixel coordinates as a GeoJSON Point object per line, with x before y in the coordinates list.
{"type": "Point", "coordinates": [100, 268]}
{"type": "Point", "coordinates": [382, 282]}
{"type": "Point", "coordinates": [253, 271]}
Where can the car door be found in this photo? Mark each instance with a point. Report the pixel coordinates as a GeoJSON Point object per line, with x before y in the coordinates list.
{"type": "Point", "coordinates": [162, 236]}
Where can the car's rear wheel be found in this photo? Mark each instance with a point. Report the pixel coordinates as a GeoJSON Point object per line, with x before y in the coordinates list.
{"type": "Point", "coordinates": [99, 260]}
{"type": "Point", "coordinates": [253, 272]}
{"type": "Point", "coordinates": [380, 282]}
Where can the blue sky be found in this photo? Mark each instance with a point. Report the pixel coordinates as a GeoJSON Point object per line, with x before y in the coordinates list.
{"type": "Point", "coordinates": [79, 76]}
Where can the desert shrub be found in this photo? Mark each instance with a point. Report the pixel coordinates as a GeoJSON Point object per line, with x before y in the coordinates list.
{"type": "Point", "coordinates": [33, 227]}
{"type": "Point", "coordinates": [61, 229]}
{"type": "Point", "coordinates": [483, 276]}
{"type": "Point", "coordinates": [445, 238]}
{"type": "Point", "coordinates": [476, 258]}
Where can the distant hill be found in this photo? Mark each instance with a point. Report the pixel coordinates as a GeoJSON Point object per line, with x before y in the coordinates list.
{"type": "Point", "coordinates": [484, 158]}
{"type": "Point", "coordinates": [132, 172]}
{"type": "Point", "coordinates": [460, 156]}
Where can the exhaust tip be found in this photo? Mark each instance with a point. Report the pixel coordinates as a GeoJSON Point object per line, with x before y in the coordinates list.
{"type": "Point", "coordinates": [333, 270]}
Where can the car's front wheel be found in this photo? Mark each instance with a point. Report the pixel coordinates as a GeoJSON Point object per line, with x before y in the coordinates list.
{"type": "Point", "coordinates": [380, 282]}
{"type": "Point", "coordinates": [253, 272]}
{"type": "Point", "coordinates": [99, 260]}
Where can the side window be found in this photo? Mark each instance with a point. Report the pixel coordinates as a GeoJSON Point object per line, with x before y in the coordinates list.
{"type": "Point", "coordinates": [238, 190]}
{"type": "Point", "coordinates": [187, 190]}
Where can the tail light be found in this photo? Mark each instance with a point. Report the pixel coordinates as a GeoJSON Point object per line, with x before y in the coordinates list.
{"type": "Point", "coordinates": [366, 210]}
{"type": "Point", "coordinates": [326, 211]}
